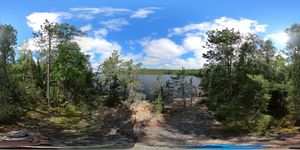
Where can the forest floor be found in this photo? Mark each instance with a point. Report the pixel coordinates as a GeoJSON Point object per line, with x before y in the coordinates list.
{"type": "Point", "coordinates": [137, 127]}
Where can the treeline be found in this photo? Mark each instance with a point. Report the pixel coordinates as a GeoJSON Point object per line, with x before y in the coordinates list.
{"type": "Point", "coordinates": [193, 72]}
{"type": "Point", "coordinates": [58, 75]}
{"type": "Point", "coordinates": [249, 84]}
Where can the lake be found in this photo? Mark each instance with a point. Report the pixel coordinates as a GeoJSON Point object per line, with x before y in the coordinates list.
{"type": "Point", "coordinates": [148, 80]}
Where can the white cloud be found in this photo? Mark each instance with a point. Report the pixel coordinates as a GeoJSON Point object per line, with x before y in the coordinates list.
{"type": "Point", "coordinates": [114, 24]}
{"type": "Point", "coordinates": [30, 44]}
{"type": "Point", "coordinates": [88, 13]}
{"type": "Point", "coordinates": [97, 46]}
{"type": "Point", "coordinates": [86, 16]}
{"type": "Point", "coordinates": [102, 32]}
{"type": "Point", "coordinates": [280, 38]}
{"type": "Point", "coordinates": [143, 12]}
{"type": "Point", "coordinates": [193, 42]}
{"type": "Point", "coordinates": [135, 57]}
{"type": "Point", "coordinates": [242, 25]}
{"type": "Point", "coordinates": [86, 28]}
{"type": "Point", "coordinates": [194, 38]}
{"type": "Point", "coordinates": [105, 10]}
{"type": "Point", "coordinates": [36, 19]}
{"type": "Point", "coordinates": [160, 50]}
{"type": "Point", "coordinates": [189, 63]}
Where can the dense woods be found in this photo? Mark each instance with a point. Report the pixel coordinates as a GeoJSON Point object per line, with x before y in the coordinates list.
{"type": "Point", "coordinates": [194, 72]}
{"type": "Point", "coordinates": [248, 83]}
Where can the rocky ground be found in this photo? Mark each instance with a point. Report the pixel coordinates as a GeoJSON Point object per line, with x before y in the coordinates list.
{"type": "Point", "coordinates": [137, 127]}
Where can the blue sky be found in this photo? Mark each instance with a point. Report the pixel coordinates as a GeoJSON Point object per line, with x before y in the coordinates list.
{"type": "Point", "coordinates": [160, 34]}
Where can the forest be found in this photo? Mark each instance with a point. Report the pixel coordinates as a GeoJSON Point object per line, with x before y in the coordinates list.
{"type": "Point", "coordinates": [193, 72]}
{"type": "Point", "coordinates": [247, 84]}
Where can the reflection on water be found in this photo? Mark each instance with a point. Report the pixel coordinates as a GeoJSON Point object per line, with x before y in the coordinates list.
{"type": "Point", "coordinates": [148, 80]}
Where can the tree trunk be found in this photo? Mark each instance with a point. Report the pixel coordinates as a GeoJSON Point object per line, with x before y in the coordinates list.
{"type": "Point", "coordinates": [183, 94]}
{"type": "Point", "coordinates": [191, 91]}
{"type": "Point", "coordinates": [4, 80]}
{"type": "Point", "coordinates": [48, 69]}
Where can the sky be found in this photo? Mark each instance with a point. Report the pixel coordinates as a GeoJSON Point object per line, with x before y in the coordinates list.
{"type": "Point", "coordinates": [166, 34]}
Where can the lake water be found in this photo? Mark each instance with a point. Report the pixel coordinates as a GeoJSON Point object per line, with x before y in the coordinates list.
{"type": "Point", "coordinates": [148, 80]}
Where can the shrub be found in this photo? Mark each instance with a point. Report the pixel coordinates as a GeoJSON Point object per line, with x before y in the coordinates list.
{"type": "Point", "coordinates": [11, 115]}
{"type": "Point", "coordinates": [157, 105]}
{"type": "Point", "coordinates": [70, 108]}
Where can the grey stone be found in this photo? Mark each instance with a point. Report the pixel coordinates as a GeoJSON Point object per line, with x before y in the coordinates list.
{"type": "Point", "coordinates": [17, 134]}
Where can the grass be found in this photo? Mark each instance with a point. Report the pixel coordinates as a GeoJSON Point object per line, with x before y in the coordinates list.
{"type": "Point", "coordinates": [78, 120]}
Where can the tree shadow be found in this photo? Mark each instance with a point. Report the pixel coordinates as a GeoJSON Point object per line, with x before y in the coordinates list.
{"type": "Point", "coordinates": [193, 120]}
{"type": "Point", "coordinates": [94, 134]}
{"type": "Point", "coordinates": [196, 121]}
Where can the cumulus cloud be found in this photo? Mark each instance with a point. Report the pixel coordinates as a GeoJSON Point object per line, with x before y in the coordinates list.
{"type": "Point", "coordinates": [193, 42]}
{"type": "Point", "coordinates": [135, 57]}
{"type": "Point", "coordinates": [114, 24]}
{"type": "Point", "coordinates": [29, 44]}
{"type": "Point", "coordinates": [194, 38]}
{"type": "Point", "coordinates": [160, 50]}
{"type": "Point", "coordinates": [143, 12]}
{"type": "Point", "coordinates": [280, 38]}
{"type": "Point", "coordinates": [86, 28]}
{"type": "Point", "coordinates": [36, 19]}
{"type": "Point", "coordinates": [97, 46]}
{"type": "Point", "coordinates": [243, 25]}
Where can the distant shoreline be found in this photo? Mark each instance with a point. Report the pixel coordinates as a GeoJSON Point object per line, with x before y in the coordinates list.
{"type": "Point", "coordinates": [193, 72]}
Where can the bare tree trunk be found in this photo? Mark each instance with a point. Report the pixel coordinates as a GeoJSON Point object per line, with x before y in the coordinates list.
{"type": "Point", "coordinates": [48, 69]}
{"type": "Point", "coordinates": [4, 80]}
{"type": "Point", "coordinates": [58, 86]}
{"type": "Point", "coordinates": [191, 91]}
{"type": "Point", "coordinates": [183, 94]}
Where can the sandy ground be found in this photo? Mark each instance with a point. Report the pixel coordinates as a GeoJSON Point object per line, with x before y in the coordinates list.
{"type": "Point", "coordinates": [138, 128]}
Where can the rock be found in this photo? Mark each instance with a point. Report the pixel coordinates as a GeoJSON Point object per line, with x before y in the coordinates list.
{"type": "Point", "coordinates": [17, 134]}
{"type": "Point", "coordinates": [24, 138]}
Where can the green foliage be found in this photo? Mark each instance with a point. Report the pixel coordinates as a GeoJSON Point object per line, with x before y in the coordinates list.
{"type": "Point", "coordinates": [130, 83]}
{"type": "Point", "coordinates": [9, 92]}
{"type": "Point", "coordinates": [193, 72]}
{"type": "Point", "coordinates": [111, 73]}
{"type": "Point", "coordinates": [293, 45]}
{"type": "Point", "coordinates": [249, 86]}
{"type": "Point", "coordinates": [157, 105]}
{"type": "Point", "coordinates": [70, 108]}
{"type": "Point", "coordinates": [244, 80]}
{"type": "Point", "coordinates": [11, 114]}
{"type": "Point", "coordinates": [71, 73]}
{"type": "Point", "coordinates": [26, 74]}
{"type": "Point", "coordinates": [263, 124]}
{"type": "Point", "coordinates": [56, 39]}
{"type": "Point", "coordinates": [118, 79]}
{"type": "Point", "coordinates": [181, 84]}
{"type": "Point", "coordinates": [157, 87]}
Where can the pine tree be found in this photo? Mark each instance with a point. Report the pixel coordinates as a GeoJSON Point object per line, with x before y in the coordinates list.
{"type": "Point", "coordinates": [8, 41]}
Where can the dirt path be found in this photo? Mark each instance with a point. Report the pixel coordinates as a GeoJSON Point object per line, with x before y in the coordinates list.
{"type": "Point", "coordinates": [194, 125]}
{"type": "Point", "coordinates": [136, 127]}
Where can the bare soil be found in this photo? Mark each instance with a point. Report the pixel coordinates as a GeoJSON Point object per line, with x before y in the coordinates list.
{"type": "Point", "coordinates": [136, 127]}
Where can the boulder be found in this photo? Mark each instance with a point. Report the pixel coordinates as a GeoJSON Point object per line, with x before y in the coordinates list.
{"type": "Point", "coordinates": [17, 134]}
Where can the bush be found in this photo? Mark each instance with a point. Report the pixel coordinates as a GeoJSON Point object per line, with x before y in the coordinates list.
{"type": "Point", "coordinates": [5, 118]}
{"type": "Point", "coordinates": [70, 108]}
{"type": "Point", "coordinates": [265, 122]}
{"type": "Point", "coordinates": [11, 116]}
{"type": "Point", "coordinates": [157, 105]}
